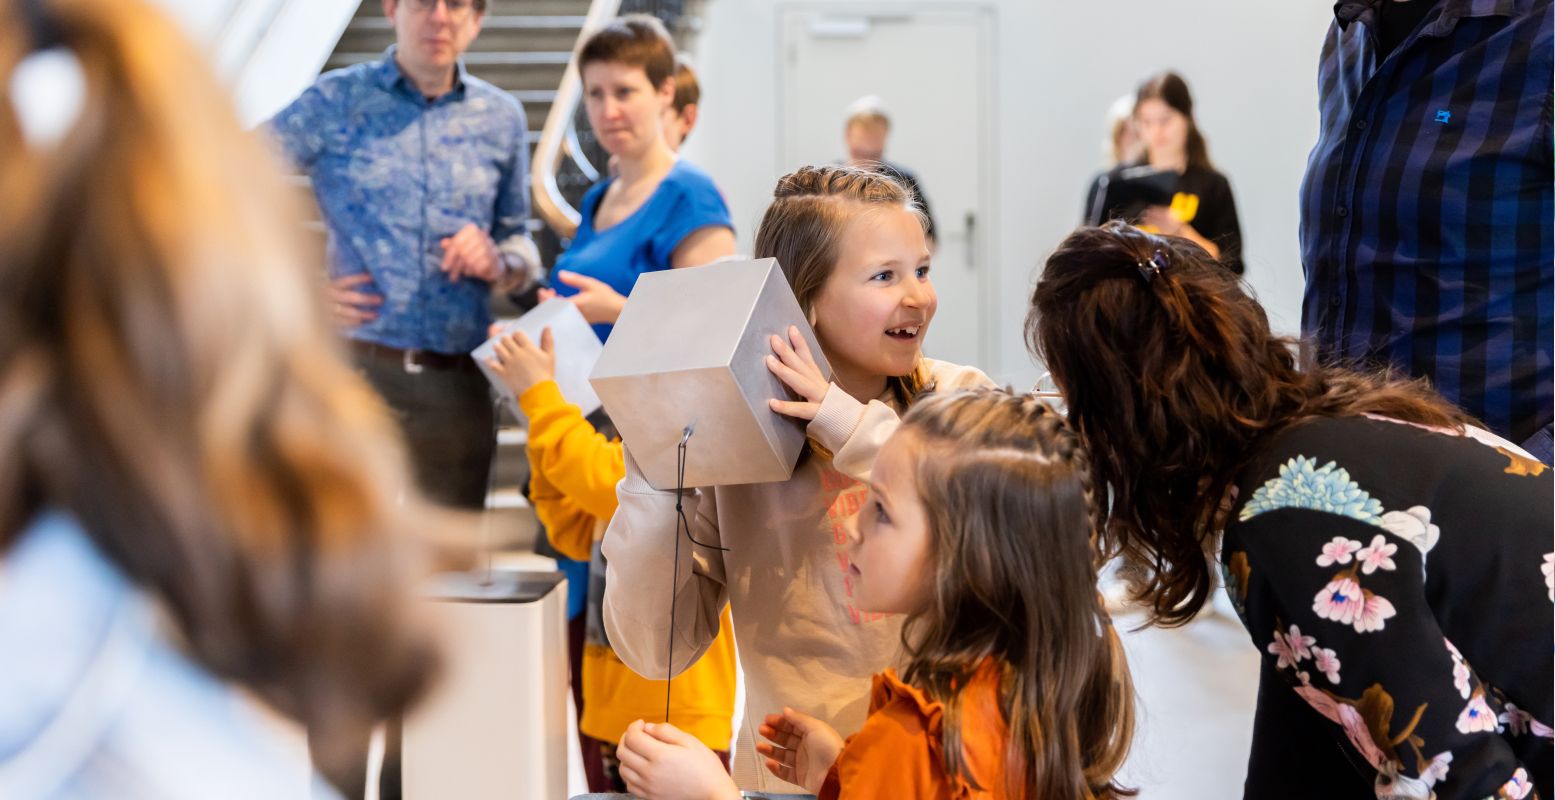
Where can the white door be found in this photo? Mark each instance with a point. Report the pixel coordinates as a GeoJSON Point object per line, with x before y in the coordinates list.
{"type": "Point", "coordinates": [932, 70]}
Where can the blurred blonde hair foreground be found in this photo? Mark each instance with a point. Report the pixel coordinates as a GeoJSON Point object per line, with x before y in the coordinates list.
{"type": "Point", "coordinates": [167, 376]}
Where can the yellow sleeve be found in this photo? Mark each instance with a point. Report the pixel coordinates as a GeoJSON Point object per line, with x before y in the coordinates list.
{"type": "Point", "coordinates": [569, 528]}
{"type": "Point", "coordinates": [566, 451]}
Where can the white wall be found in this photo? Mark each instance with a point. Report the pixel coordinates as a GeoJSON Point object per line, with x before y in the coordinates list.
{"type": "Point", "coordinates": [267, 51]}
{"type": "Point", "coordinates": [1252, 66]}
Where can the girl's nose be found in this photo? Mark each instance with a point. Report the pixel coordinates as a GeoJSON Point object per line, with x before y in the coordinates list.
{"type": "Point", "coordinates": [850, 530]}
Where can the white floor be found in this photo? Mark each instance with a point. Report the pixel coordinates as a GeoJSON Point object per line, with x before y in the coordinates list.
{"type": "Point", "coordinates": [1196, 689]}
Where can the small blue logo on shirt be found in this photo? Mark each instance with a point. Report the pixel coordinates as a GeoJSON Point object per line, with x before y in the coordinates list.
{"type": "Point", "coordinates": [1443, 116]}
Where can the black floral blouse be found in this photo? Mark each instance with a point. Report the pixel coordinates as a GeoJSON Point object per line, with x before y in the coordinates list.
{"type": "Point", "coordinates": [1397, 580]}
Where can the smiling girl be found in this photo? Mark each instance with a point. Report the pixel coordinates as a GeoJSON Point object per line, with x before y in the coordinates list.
{"type": "Point", "coordinates": [978, 527]}
{"type": "Point", "coordinates": [853, 249]}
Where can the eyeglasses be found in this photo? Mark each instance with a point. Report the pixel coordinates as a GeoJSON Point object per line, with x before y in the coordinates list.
{"type": "Point", "coordinates": [456, 8]}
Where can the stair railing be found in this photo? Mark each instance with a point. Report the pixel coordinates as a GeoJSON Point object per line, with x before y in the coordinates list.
{"type": "Point", "coordinates": [558, 133]}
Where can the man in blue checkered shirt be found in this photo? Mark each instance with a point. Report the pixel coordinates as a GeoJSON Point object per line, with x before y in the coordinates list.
{"type": "Point", "coordinates": [420, 170]}
{"type": "Point", "coordinates": [1426, 210]}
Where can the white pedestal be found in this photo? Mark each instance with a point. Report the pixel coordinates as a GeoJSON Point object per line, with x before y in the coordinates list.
{"type": "Point", "coordinates": [495, 726]}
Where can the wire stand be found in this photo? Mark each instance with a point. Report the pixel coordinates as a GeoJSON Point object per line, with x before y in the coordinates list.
{"type": "Point", "coordinates": [681, 524]}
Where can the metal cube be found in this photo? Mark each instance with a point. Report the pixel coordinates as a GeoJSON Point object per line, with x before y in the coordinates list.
{"type": "Point", "coordinates": [577, 350]}
{"type": "Point", "coordinates": [689, 351]}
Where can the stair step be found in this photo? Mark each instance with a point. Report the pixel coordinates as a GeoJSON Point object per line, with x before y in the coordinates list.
{"type": "Point", "coordinates": [511, 22]}
{"type": "Point", "coordinates": [500, 8]}
{"type": "Point", "coordinates": [374, 35]}
{"type": "Point", "coordinates": [509, 497]}
{"type": "Point", "coordinates": [518, 74]}
{"type": "Point", "coordinates": [472, 59]}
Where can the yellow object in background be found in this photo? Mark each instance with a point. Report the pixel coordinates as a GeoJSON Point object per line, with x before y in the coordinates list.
{"type": "Point", "coordinates": [1184, 207]}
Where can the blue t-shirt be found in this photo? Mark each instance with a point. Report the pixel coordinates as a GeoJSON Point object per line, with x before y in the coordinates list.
{"type": "Point", "coordinates": [686, 201]}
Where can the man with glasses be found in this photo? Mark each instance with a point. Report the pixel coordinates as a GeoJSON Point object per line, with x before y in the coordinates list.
{"type": "Point", "coordinates": [420, 171]}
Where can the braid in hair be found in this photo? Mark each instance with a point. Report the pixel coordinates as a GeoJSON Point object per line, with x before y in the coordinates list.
{"type": "Point", "coordinates": [1007, 488]}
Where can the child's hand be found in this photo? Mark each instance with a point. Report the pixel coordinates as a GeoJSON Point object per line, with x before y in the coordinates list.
{"type": "Point", "coordinates": [794, 365]}
{"type": "Point", "coordinates": [662, 762]}
{"type": "Point", "coordinates": [595, 298]}
{"type": "Point", "coordinates": [802, 749]}
{"type": "Point", "coordinates": [521, 364]}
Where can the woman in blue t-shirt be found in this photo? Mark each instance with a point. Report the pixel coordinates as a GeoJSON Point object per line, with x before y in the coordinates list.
{"type": "Point", "coordinates": [659, 212]}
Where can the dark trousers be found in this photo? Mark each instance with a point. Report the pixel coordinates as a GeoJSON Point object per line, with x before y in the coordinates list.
{"type": "Point", "coordinates": [448, 421]}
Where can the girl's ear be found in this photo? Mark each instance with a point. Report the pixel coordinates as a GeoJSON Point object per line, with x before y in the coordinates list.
{"type": "Point", "coordinates": [810, 318]}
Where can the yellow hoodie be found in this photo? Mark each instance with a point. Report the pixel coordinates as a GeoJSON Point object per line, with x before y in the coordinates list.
{"type": "Point", "coordinates": [574, 471]}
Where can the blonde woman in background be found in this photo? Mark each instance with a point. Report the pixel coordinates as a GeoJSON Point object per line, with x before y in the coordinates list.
{"type": "Point", "coordinates": [198, 498]}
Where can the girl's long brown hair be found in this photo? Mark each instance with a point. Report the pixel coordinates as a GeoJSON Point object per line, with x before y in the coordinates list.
{"type": "Point", "coordinates": [167, 377]}
{"type": "Point", "coordinates": [1011, 512]}
{"type": "Point", "coordinates": [803, 229]}
{"type": "Point", "coordinates": [1174, 381]}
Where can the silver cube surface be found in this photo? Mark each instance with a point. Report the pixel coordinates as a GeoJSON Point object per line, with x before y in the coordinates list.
{"type": "Point", "coordinates": [577, 350]}
{"type": "Point", "coordinates": [690, 351]}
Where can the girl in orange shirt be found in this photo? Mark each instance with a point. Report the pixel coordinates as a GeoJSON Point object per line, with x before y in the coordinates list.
{"type": "Point", "coordinates": [979, 528]}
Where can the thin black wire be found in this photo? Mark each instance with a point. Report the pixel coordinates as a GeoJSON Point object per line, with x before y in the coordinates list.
{"type": "Point", "coordinates": [681, 524]}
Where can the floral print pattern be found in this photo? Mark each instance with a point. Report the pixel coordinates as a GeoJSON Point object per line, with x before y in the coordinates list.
{"type": "Point", "coordinates": [1478, 716]}
{"type": "Point", "coordinates": [1303, 485]}
{"type": "Point", "coordinates": [1377, 555]}
{"type": "Point", "coordinates": [1344, 601]}
{"type": "Point", "coordinates": [1460, 671]}
{"type": "Point", "coordinates": [1413, 525]}
{"type": "Point", "coordinates": [1517, 788]}
{"type": "Point", "coordinates": [1338, 551]}
{"type": "Point", "coordinates": [1362, 592]}
{"type": "Point", "coordinates": [1327, 662]}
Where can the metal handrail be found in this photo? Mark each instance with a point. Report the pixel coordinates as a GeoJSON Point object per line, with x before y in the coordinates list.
{"type": "Point", "coordinates": [550, 205]}
{"type": "Point", "coordinates": [580, 159]}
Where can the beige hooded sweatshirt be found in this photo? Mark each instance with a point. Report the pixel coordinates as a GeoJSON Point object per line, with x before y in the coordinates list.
{"type": "Point", "coordinates": [802, 642]}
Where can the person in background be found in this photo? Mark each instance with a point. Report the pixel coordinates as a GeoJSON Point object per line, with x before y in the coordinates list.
{"type": "Point", "coordinates": [1202, 209]}
{"type": "Point", "coordinates": [1426, 209]}
{"type": "Point", "coordinates": [681, 115]}
{"type": "Point", "coordinates": [660, 211]}
{"type": "Point", "coordinates": [1121, 144]}
{"type": "Point", "coordinates": [867, 128]}
{"type": "Point", "coordinates": [203, 543]}
{"type": "Point", "coordinates": [420, 170]}
{"type": "Point", "coordinates": [1391, 561]}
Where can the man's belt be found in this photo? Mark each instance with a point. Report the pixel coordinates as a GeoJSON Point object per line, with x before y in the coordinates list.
{"type": "Point", "coordinates": [415, 361]}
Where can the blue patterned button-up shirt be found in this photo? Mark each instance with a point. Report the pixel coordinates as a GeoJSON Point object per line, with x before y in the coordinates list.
{"type": "Point", "coordinates": [1427, 206]}
{"type": "Point", "coordinates": [394, 174]}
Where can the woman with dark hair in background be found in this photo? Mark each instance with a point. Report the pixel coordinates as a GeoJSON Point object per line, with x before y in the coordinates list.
{"type": "Point", "coordinates": [1202, 208]}
{"type": "Point", "coordinates": [197, 494]}
{"type": "Point", "coordinates": [1390, 560]}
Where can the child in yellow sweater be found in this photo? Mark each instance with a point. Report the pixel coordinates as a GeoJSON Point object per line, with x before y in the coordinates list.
{"type": "Point", "coordinates": [574, 471]}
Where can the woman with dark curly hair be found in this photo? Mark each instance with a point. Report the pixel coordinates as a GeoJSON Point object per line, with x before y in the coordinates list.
{"type": "Point", "coordinates": [1390, 559]}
